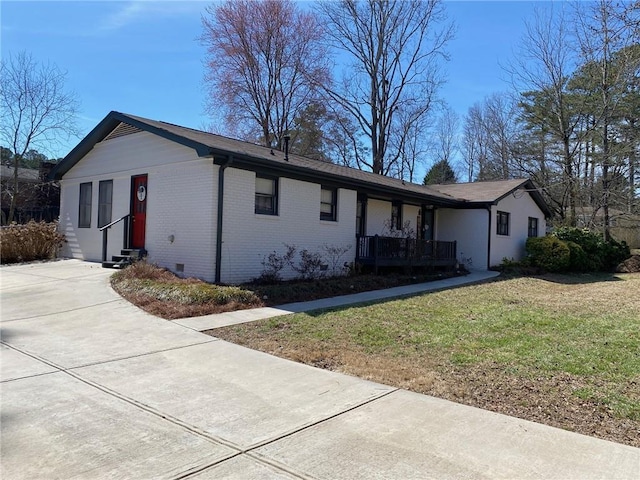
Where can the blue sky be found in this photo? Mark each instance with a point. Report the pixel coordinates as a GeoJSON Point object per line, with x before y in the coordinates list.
{"type": "Point", "coordinates": [143, 57]}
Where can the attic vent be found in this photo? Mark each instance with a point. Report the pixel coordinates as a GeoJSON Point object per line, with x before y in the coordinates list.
{"type": "Point", "coordinates": [122, 130]}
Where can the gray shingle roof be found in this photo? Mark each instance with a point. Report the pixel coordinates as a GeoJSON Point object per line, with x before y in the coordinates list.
{"type": "Point", "coordinates": [480, 191]}
{"type": "Point", "coordinates": [255, 156]}
{"type": "Point", "coordinates": [237, 147]}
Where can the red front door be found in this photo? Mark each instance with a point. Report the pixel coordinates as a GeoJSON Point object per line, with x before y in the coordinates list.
{"type": "Point", "coordinates": [138, 211]}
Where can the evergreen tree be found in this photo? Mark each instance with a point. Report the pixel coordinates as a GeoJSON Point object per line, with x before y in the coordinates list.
{"type": "Point", "coordinates": [440, 173]}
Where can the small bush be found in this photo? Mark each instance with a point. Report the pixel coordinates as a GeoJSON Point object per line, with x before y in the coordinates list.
{"type": "Point", "coordinates": [33, 241]}
{"type": "Point", "coordinates": [311, 265]}
{"type": "Point", "coordinates": [143, 270]}
{"type": "Point", "coordinates": [274, 263]}
{"type": "Point", "coordinates": [548, 253]}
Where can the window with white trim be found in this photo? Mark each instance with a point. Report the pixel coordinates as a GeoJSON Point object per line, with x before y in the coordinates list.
{"type": "Point", "coordinates": [105, 197]}
{"type": "Point", "coordinates": [532, 229]}
{"type": "Point", "coordinates": [328, 204]}
{"type": "Point", "coordinates": [502, 223]}
{"type": "Point", "coordinates": [396, 216]}
{"type": "Point", "coordinates": [84, 211]}
{"type": "Point", "coordinates": [266, 195]}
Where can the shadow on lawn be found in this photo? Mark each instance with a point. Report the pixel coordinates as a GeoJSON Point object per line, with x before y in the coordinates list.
{"type": "Point", "coordinates": [565, 279]}
{"type": "Point", "coordinates": [321, 311]}
{"type": "Point", "coordinates": [580, 278]}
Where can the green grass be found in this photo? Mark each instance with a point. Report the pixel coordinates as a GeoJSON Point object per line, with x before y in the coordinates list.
{"type": "Point", "coordinates": [585, 326]}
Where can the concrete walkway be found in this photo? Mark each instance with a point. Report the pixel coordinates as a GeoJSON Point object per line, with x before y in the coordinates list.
{"type": "Point", "coordinates": [208, 322]}
{"type": "Point", "coordinates": [92, 387]}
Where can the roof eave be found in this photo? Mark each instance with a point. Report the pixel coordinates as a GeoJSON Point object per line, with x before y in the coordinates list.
{"type": "Point", "coordinates": [104, 128]}
{"type": "Point", "coordinates": [252, 163]}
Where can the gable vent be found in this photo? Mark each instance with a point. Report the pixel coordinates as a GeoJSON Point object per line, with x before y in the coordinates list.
{"type": "Point", "coordinates": [122, 130]}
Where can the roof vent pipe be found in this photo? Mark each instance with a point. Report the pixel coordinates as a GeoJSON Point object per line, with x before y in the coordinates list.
{"type": "Point", "coordinates": [287, 137]}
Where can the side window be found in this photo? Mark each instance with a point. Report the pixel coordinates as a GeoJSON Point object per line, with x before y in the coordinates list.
{"type": "Point", "coordinates": [360, 217]}
{"type": "Point", "coordinates": [266, 196]}
{"type": "Point", "coordinates": [396, 216]}
{"type": "Point", "coordinates": [502, 224]}
{"type": "Point", "coordinates": [105, 196]}
{"type": "Point", "coordinates": [328, 204]}
{"type": "Point", "coordinates": [533, 227]}
{"type": "Point", "coordinates": [84, 213]}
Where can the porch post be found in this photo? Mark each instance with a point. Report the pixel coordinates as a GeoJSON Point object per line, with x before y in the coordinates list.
{"type": "Point", "coordinates": [375, 253]}
{"type": "Point", "coordinates": [104, 244]}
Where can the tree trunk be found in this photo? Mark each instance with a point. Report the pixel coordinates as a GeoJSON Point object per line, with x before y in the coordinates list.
{"type": "Point", "coordinates": [568, 171]}
{"type": "Point", "coordinates": [14, 197]}
{"type": "Point", "coordinates": [605, 182]}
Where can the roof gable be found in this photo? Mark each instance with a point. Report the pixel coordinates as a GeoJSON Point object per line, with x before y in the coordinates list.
{"type": "Point", "coordinates": [491, 192]}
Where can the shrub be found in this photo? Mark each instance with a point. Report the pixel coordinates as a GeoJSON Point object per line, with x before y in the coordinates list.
{"type": "Point", "coordinates": [596, 253]}
{"type": "Point", "coordinates": [589, 241]}
{"type": "Point", "coordinates": [579, 260]}
{"type": "Point", "coordinates": [612, 253]}
{"type": "Point", "coordinates": [274, 263]}
{"type": "Point", "coordinates": [143, 270]}
{"type": "Point", "coordinates": [33, 241]}
{"type": "Point", "coordinates": [311, 265]}
{"type": "Point", "coordinates": [548, 253]}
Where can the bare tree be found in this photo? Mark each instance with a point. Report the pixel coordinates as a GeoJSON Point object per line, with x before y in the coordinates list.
{"type": "Point", "coordinates": [445, 143]}
{"type": "Point", "coordinates": [545, 61]}
{"type": "Point", "coordinates": [36, 112]}
{"type": "Point", "coordinates": [606, 30]}
{"type": "Point", "coordinates": [411, 140]}
{"type": "Point", "coordinates": [491, 131]}
{"type": "Point", "coordinates": [265, 60]}
{"type": "Point", "coordinates": [474, 142]}
{"type": "Point", "coordinates": [393, 47]}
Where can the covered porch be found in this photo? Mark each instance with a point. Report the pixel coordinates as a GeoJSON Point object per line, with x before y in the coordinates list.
{"type": "Point", "coordinates": [379, 251]}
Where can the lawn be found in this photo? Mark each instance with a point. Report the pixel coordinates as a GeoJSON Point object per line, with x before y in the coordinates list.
{"type": "Point", "coordinates": [563, 350]}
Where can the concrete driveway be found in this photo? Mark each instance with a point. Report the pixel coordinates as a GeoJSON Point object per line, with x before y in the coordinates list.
{"type": "Point", "coordinates": [93, 387]}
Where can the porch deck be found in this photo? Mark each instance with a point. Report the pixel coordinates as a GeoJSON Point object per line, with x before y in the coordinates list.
{"type": "Point", "coordinates": [380, 251]}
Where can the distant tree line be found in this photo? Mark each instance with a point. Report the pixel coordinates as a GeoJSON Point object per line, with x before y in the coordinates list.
{"type": "Point", "coordinates": [572, 121]}
{"type": "Point", "coordinates": [36, 198]}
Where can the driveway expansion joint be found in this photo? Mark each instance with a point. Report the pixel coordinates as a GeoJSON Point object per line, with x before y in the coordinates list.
{"type": "Point", "coordinates": [371, 432]}
{"type": "Point", "coordinates": [77, 309]}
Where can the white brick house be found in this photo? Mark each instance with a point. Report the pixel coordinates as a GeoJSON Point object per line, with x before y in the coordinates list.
{"type": "Point", "coordinates": [212, 207]}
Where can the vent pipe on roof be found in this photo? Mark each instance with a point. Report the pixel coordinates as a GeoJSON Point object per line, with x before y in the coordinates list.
{"type": "Point", "coordinates": [287, 137]}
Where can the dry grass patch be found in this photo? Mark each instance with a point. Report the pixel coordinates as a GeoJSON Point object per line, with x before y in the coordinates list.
{"type": "Point", "coordinates": [558, 349]}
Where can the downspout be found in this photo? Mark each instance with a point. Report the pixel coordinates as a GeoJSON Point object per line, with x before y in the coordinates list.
{"type": "Point", "coordinates": [489, 239]}
{"type": "Point", "coordinates": [221, 170]}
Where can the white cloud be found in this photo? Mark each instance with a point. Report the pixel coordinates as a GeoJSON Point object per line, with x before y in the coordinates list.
{"type": "Point", "coordinates": [142, 10]}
